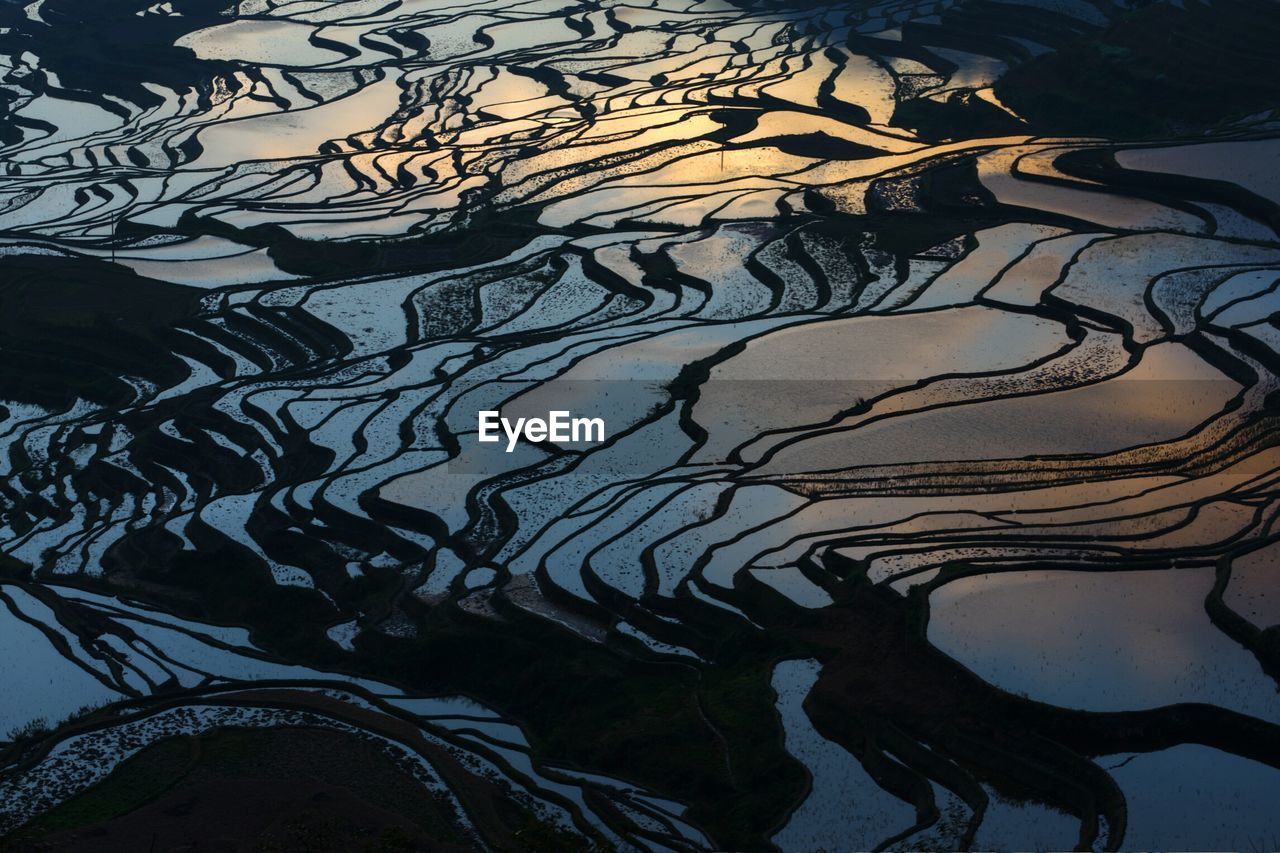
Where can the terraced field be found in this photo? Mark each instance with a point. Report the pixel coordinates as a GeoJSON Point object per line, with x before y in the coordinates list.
{"type": "Point", "coordinates": [938, 503]}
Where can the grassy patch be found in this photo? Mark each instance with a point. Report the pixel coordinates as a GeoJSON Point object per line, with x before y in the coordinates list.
{"type": "Point", "coordinates": [138, 780]}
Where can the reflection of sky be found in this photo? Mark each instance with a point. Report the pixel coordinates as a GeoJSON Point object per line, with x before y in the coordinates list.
{"type": "Point", "coordinates": [1164, 397]}
{"type": "Point", "coordinates": [1192, 797]}
{"type": "Point", "coordinates": [1099, 641]}
{"type": "Point", "coordinates": [1250, 164]}
{"type": "Point", "coordinates": [297, 133]}
{"type": "Point", "coordinates": [845, 809]}
{"type": "Point", "coordinates": [50, 686]}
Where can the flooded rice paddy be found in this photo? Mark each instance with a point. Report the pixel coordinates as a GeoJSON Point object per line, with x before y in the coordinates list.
{"type": "Point", "coordinates": [937, 505]}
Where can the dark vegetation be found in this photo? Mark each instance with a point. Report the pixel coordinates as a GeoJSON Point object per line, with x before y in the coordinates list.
{"type": "Point", "coordinates": [255, 789]}
{"type": "Point", "coordinates": [94, 49]}
{"type": "Point", "coordinates": [707, 736]}
{"type": "Point", "coordinates": [72, 327]}
{"type": "Point", "coordinates": [1158, 70]}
